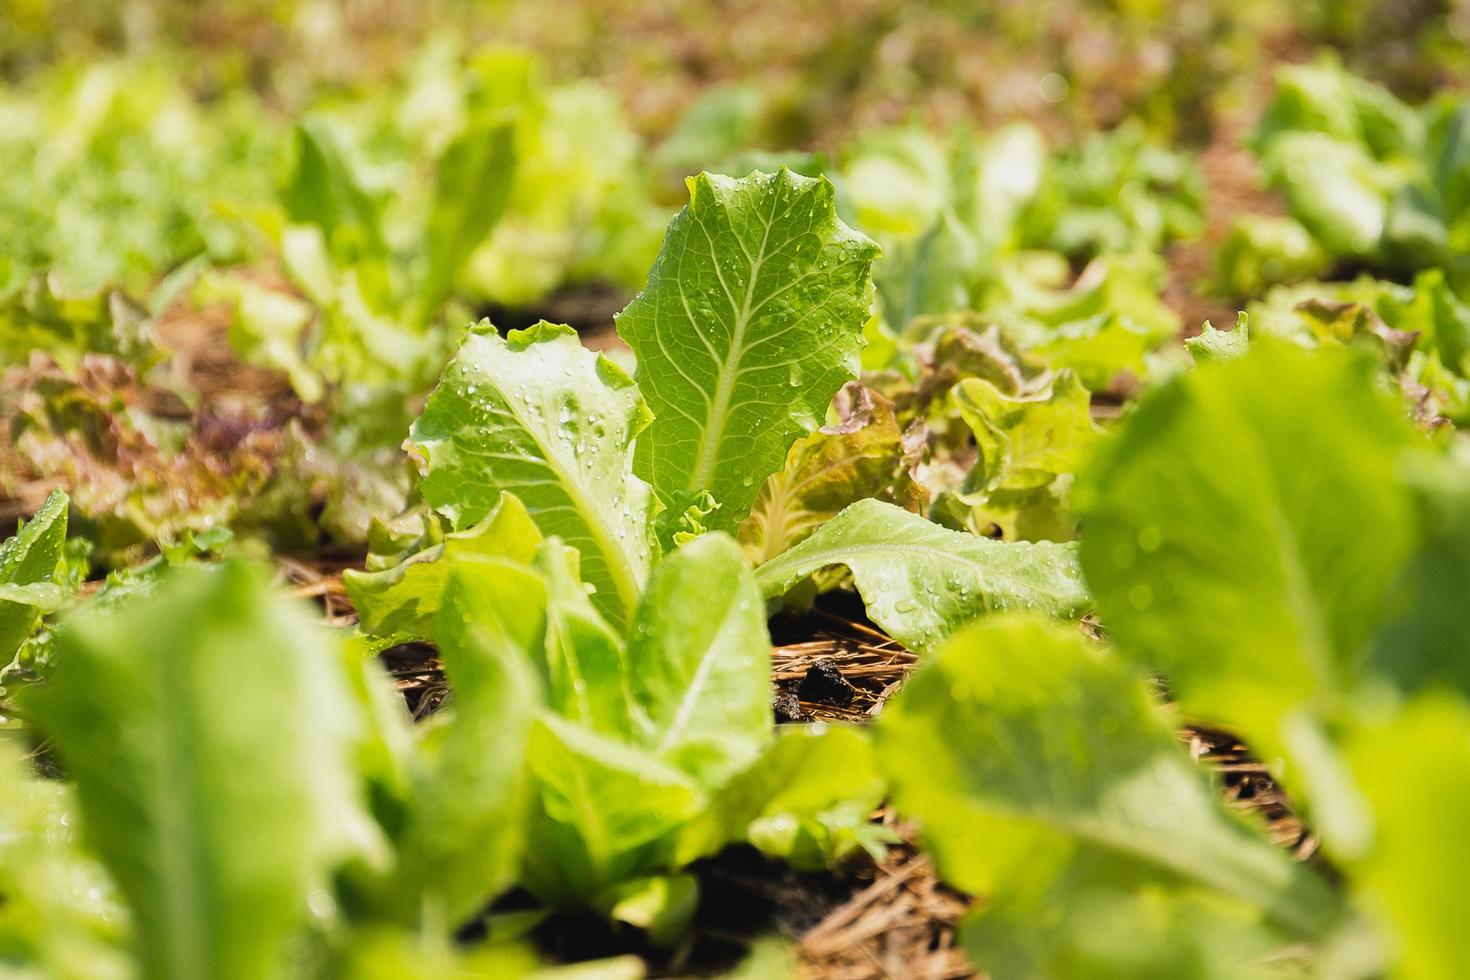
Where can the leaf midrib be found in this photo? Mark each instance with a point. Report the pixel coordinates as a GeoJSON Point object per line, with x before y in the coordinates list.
{"type": "Point", "coordinates": [1100, 833]}
{"type": "Point", "coordinates": [707, 455]}
{"type": "Point", "coordinates": [697, 684]}
{"type": "Point", "coordinates": [176, 842]}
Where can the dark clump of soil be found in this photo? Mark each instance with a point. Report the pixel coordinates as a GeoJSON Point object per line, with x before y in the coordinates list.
{"type": "Point", "coordinates": [825, 684]}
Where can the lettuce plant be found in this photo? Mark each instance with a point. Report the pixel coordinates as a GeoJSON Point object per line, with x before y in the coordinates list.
{"type": "Point", "coordinates": [31, 561]}
{"type": "Point", "coordinates": [587, 515]}
{"type": "Point", "coordinates": [750, 323]}
{"type": "Point", "coordinates": [1369, 181]}
{"type": "Point", "coordinates": [1223, 535]}
{"type": "Point", "coordinates": [1054, 784]}
{"type": "Point", "coordinates": [1224, 499]}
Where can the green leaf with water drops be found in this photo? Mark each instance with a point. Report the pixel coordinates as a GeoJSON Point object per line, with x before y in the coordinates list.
{"type": "Point", "coordinates": [699, 662]}
{"type": "Point", "coordinates": [750, 322]}
{"type": "Point", "coordinates": [30, 558]}
{"type": "Point", "coordinates": [1052, 784]}
{"type": "Point", "coordinates": [1240, 544]}
{"type": "Point", "coordinates": [921, 582]}
{"type": "Point", "coordinates": [539, 415]}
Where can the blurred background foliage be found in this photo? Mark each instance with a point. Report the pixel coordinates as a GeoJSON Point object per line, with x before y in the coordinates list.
{"type": "Point", "coordinates": [824, 69]}
{"type": "Point", "coordinates": [247, 234]}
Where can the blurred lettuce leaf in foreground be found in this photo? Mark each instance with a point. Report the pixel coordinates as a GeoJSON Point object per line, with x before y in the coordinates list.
{"type": "Point", "coordinates": [1224, 499]}
{"type": "Point", "coordinates": [1347, 671]}
{"type": "Point", "coordinates": [1055, 754]}
{"type": "Point", "coordinates": [1421, 644]}
{"type": "Point", "coordinates": [216, 822]}
{"type": "Point", "coordinates": [1415, 773]}
{"type": "Point", "coordinates": [59, 914]}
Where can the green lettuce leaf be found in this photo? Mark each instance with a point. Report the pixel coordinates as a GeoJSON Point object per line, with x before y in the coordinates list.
{"type": "Point", "coordinates": [606, 811]}
{"type": "Point", "coordinates": [402, 601]}
{"type": "Point", "coordinates": [1266, 249]}
{"type": "Point", "coordinates": [267, 328]}
{"type": "Point", "coordinates": [539, 415]}
{"type": "Point", "coordinates": [324, 189]}
{"type": "Point", "coordinates": [863, 454]}
{"type": "Point", "coordinates": [1323, 97]}
{"type": "Point", "coordinates": [1226, 534]}
{"type": "Point", "coordinates": [587, 668]}
{"type": "Point", "coordinates": [1052, 785]}
{"type": "Point", "coordinates": [471, 191]}
{"type": "Point", "coordinates": [1421, 643]}
{"type": "Point", "coordinates": [1415, 772]}
{"type": "Point", "coordinates": [462, 840]}
{"type": "Point", "coordinates": [38, 316]}
{"type": "Point", "coordinates": [921, 581]}
{"type": "Point", "coordinates": [699, 662]}
{"type": "Point", "coordinates": [1026, 440]}
{"type": "Point", "coordinates": [1099, 325]}
{"type": "Point", "coordinates": [28, 559]}
{"type": "Point", "coordinates": [750, 322]}
{"type": "Point", "coordinates": [808, 800]}
{"type": "Point", "coordinates": [1220, 345]}
{"type": "Point", "coordinates": [209, 729]}
{"type": "Point", "coordinates": [59, 912]}
{"type": "Point", "coordinates": [1117, 191]}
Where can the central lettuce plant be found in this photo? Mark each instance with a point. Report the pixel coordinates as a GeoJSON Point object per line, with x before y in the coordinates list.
{"type": "Point", "coordinates": [750, 323]}
{"type": "Point", "coordinates": [583, 524]}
